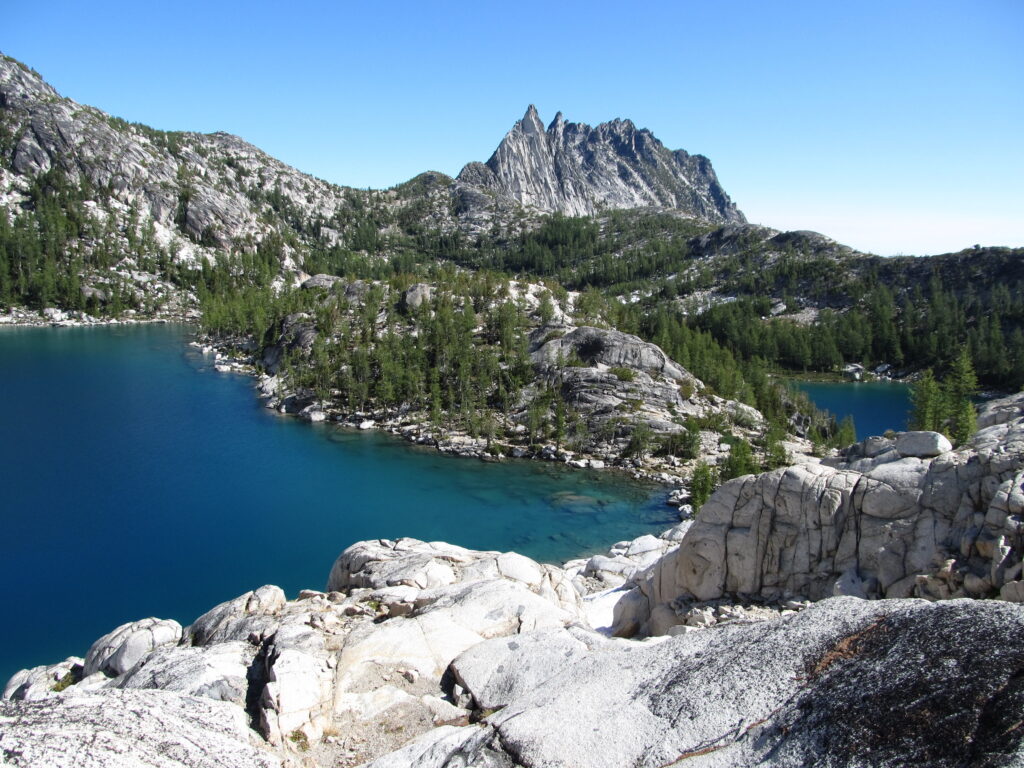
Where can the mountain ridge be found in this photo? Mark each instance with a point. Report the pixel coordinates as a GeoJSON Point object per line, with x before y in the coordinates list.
{"type": "Point", "coordinates": [576, 170]}
{"type": "Point", "coordinates": [104, 215]}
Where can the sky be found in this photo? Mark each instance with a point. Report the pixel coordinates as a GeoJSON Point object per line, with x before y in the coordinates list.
{"type": "Point", "coordinates": [893, 127]}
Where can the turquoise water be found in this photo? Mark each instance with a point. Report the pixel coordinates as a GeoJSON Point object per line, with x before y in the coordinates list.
{"type": "Point", "coordinates": [875, 405]}
{"type": "Point", "coordinates": [139, 482]}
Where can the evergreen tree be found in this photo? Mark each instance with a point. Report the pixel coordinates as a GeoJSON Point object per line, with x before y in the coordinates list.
{"type": "Point", "coordinates": [959, 388]}
{"type": "Point", "coordinates": [846, 433]}
{"type": "Point", "coordinates": [702, 483]}
{"type": "Point", "coordinates": [740, 460]}
{"type": "Point", "coordinates": [928, 407]}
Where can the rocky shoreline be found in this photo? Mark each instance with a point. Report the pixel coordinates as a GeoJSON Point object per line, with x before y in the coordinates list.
{"type": "Point", "coordinates": [860, 641]}
{"type": "Point", "coordinates": [415, 427]}
{"type": "Point", "coordinates": [596, 389]}
{"type": "Point", "coordinates": [19, 317]}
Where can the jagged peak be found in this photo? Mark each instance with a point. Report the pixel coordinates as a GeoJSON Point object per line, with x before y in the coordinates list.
{"type": "Point", "coordinates": [577, 169]}
{"type": "Point", "coordinates": [531, 122]}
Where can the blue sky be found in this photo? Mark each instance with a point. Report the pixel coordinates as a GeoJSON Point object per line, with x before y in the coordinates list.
{"type": "Point", "coordinates": [894, 127]}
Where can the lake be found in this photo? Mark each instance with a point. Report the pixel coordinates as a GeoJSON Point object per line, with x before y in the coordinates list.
{"type": "Point", "coordinates": [140, 482]}
{"type": "Point", "coordinates": [875, 405]}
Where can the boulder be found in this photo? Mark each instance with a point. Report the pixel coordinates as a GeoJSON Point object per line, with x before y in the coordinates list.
{"type": "Point", "coordinates": [117, 652]}
{"type": "Point", "coordinates": [321, 281]}
{"type": "Point", "coordinates": [426, 566]}
{"type": "Point", "coordinates": [416, 294]}
{"type": "Point", "coordinates": [252, 615]}
{"type": "Point", "coordinates": [922, 445]}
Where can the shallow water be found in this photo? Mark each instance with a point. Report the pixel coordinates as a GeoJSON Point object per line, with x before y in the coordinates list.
{"type": "Point", "coordinates": [139, 482]}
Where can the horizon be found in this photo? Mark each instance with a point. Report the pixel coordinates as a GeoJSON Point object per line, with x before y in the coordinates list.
{"type": "Point", "coordinates": [860, 126]}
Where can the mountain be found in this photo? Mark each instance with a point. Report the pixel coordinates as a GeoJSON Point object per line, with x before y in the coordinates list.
{"type": "Point", "coordinates": [220, 192]}
{"type": "Point", "coordinates": [576, 170]}
{"type": "Point", "coordinates": [105, 216]}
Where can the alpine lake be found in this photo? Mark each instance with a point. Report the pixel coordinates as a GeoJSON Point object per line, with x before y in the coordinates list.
{"type": "Point", "coordinates": [138, 481]}
{"type": "Point", "coordinates": [876, 406]}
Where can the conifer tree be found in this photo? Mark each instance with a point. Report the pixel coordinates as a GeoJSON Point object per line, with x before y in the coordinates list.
{"type": "Point", "coordinates": [928, 406]}
{"type": "Point", "coordinates": [702, 483]}
{"type": "Point", "coordinates": [959, 387]}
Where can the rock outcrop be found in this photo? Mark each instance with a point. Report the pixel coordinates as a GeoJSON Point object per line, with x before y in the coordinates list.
{"type": "Point", "coordinates": [891, 518]}
{"type": "Point", "coordinates": [430, 655]}
{"type": "Point", "coordinates": [129, 729]}
{"type": "Point", "coordinates": [845, 683]}
{"type": "Point", "coordinates": [376, 645]}
{"type": "Point", "coordinates": [577, 170]}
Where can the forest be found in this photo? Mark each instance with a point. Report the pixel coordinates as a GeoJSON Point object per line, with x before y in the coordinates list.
{"type": "Point", "coordinates": [639, 272]}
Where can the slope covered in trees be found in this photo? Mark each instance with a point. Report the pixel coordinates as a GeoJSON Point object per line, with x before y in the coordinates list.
{"type": "Point", "coordinates": [101, 216]}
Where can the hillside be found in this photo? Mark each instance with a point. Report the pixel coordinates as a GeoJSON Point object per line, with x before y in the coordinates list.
{"type": "Point", "coordinates": [111, 219]}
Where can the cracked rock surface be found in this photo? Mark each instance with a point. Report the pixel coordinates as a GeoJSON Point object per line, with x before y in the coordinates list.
{"type": "Point", "coordinates": [128, 729]}
{"type": "Point", "coordinates": [892, 518]}
{"type": "Point", "coordinates": [840, 684]}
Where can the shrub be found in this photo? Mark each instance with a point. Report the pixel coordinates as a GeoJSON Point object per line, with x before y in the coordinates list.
{"type": "Point", "coordinates": [623, 373]}
{"type": "Point", "coordinates": [300, 740]}
{"type": "Point", "coordinates": [685, 445]}
{"type": "Point", "coordinates": [65, 682]}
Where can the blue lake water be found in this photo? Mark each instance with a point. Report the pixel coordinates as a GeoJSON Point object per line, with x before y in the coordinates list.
{"type": "Point", "coordinates": [875, 405]}
{"type": "Point", "coordinates": [139, 482]}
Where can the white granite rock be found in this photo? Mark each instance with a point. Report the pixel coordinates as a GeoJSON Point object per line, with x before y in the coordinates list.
{"type": "Point", "coordinates": [129, 729]}
{"type": "Point", "coordinates": [117, 652]}
{"type": "Point", "coordinates": [922, 445]}
{"type": "Point", "coordinates": [880, 522]}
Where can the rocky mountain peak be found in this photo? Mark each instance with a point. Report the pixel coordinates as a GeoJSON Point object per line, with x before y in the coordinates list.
{"type": "Point", "coordinates": [531, 122]}
{"type": "Point", "coordinates": [578, 170]}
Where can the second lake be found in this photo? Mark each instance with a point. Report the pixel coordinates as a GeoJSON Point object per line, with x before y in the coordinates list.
{"type": "Point", "coordinates": [874, 405]}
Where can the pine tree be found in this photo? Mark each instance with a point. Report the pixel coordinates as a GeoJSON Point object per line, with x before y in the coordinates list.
{"type": "Point", "coordinates": [928, 406]}
{"type": "Point", "coordinates": [846, 433]}
{"type": "Point", "coordinates": [959, 387]}
{"type": "Point", "coordinates": [702, 483]}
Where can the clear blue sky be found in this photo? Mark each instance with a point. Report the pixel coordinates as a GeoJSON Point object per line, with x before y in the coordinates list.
{"type": "Point", "coordinates": [894, 127]}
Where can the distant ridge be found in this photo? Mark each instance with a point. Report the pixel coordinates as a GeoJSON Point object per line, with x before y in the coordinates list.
{"type": "Point", "coordinates": [577, 170]}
